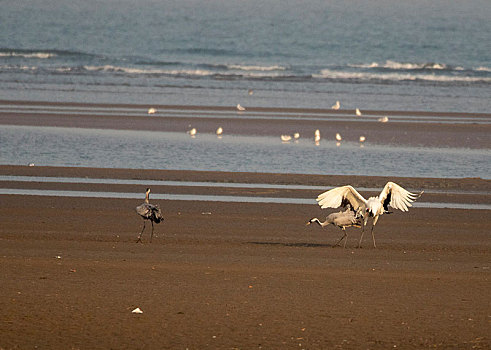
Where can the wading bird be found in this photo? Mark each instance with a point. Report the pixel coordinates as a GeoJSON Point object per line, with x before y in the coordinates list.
{"type": "Point", "coordinates": [346, 196]}
{"type": "Point", "coordinates": [342, 220]}
{"type": "Point", "coordinates": [148, 212]}
{"type": "Point", "coordinates": [336, 106]}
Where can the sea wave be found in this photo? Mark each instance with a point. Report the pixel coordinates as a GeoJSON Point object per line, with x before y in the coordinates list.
{"type": "Point", "coordinates": [256, 68]}
{"type": "Point", "coordinates": [39, 55]}
{"type": "Point", "coordinates": [376, 76]}
{"type": "Point", "coordinates": [259, 72]}
{"type": "Point", "coordinates": [394, 65]}
{"type": "Point", "coordinates": [150, 71]}
{"type": "Point", "coordinates": [43, 53]}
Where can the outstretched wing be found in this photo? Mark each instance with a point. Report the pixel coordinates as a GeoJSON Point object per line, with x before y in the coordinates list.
{"type": "Point", "coordinates": [341, 197]}
{"type": "Point", "coordinates": [397, 197]}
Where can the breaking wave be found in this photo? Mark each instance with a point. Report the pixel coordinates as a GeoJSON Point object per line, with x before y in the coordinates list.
{"type": "Point", "coordinates": [399, 76]}
{"type": "Point", "coordinates": [39, 55]}
{"type": "Point", "coordinates": [408, 66]}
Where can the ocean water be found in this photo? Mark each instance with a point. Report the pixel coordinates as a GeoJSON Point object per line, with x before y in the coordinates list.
{"type": "Point", "coordinates": [381, 54]}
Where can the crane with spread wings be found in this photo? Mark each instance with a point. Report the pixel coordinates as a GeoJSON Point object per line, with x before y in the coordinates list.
{"type": "Point", "coordinates": [346, 196]}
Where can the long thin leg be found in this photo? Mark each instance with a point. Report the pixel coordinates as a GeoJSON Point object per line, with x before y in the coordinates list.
{"type": "Point", "coordinates": [140, 235]}
{"type": "Point", "coordinates": [345, 236]}
{"type": "Point", "coordinates": [363, 224]}
{"type": "Point", "coordinates": [375, 219]}
{"type": "Point", "coordinates": [373, 237]}
{"type": "Point", "coordinates": [151, 235]}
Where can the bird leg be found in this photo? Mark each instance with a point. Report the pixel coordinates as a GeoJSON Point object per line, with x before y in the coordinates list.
{"type": "Point", "coordinates": [373, 237]}
{"type": "Point", "coordinates": [151, 235]}
{"type": "Point", "coordinates": [345, 237]}
{"type": "Point", "coordinates": [140, 235]}
{"type": "Point", "coordinates": [375, 219]}
{"type": "Point", "coordinates": [363, 224]}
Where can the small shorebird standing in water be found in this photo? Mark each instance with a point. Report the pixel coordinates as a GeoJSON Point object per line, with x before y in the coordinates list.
{"type": "Point", "coordinates": [148, 212]}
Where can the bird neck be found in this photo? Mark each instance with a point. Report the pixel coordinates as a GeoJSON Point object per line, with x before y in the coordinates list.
{"type": "Point", "coordinates": [321, 224]}
{"type": "Point", "coordinates": [147, 195]}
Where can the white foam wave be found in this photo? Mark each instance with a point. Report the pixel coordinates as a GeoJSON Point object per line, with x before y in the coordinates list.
{"type": "Point", "coordinates": [483, 69]}
{"type": "Point", "coordinates": [128, 70]}
{"type": "Point", "coordinates": [256, 68]}
{"type": "Point", "coordinates": [401, 65]}
{"type": "Point", "coordinates": [330, 74]}
{"type": "Point", "coordinates": [40, 55]}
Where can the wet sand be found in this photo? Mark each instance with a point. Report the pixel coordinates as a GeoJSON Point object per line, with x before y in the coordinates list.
{"type": "Point", "coordinates": [239, 275]}
{"type": "Point", "coordinates": [266, 122]}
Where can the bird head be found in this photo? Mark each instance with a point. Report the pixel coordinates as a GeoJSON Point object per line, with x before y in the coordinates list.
{"type": "Point", "coordinates": [147, 190]}
{"type": "Point", "coordinates": [311, 221]}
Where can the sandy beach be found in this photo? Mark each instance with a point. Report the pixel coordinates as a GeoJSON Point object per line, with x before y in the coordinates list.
{"type": "Point", "coordinates": [223, 275]}
{"type": "Point", "coordinates": [237, 275]}
{"type": "Point", "coordinates": [238, 115]}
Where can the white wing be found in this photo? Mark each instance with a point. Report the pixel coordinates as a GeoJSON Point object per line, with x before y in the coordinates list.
{"type": "Point", "coordinates": [341, 196]}
{"type": "Point", "coordinates": [397, 197]}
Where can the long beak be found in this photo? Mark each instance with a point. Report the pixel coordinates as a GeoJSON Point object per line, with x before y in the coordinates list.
{"type": "Point", "coordinates": [308, 223]}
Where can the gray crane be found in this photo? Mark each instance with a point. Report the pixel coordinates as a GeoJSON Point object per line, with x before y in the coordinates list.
{"type": "Point", "coordinates": [342, 220]}
{"type": "Point", "coordinates": [148, 212]}
{"type": "Point", "coordinates": [346, 196]}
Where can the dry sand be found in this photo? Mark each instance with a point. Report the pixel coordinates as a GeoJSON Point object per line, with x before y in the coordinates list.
{"type": "Point", "coordinates": [237, 275]}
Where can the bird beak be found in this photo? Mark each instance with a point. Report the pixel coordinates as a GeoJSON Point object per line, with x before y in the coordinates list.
{"type": "Point", "coordinates": [307, 224]}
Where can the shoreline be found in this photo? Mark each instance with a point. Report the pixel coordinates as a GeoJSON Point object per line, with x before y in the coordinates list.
{"type": "Point", "coordinates": [441, 135]}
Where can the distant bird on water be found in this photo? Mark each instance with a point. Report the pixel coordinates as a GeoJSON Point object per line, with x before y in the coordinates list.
{"type": "Point", "coordinates": [148, 212]}
{"type": "Point", "coordinates": [346, 196]}
{"type": "Point", "coordinates": [343, 219]}
{"type": "Point", "coordinates": [219, 131]}
{"type": "Point", "coordinates": [240, 108]}
{"type": "Point", "coordinates": [383, 119]}
{"type": "Point", "coordinates": [357, 112]}
{"type": "Point", "coordinates": [152, 111]}
{"type": "Point", "coordinates": [338, 137]}
{"type": "Point", "coordinates": [336, 106]}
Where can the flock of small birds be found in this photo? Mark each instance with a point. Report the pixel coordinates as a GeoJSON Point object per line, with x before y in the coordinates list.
{"type": "Point", "coordinates": [338, 137]}
{"type": "Point", "coordinates": [288, 138]}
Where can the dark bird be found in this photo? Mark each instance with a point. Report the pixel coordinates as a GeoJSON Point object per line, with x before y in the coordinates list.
{"type": "Point", "coordinates": [346, 196]}
{"type": "Point", "coordinates": [342, 220]}
{"type": "Point", "coordinates": [148, 212]}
